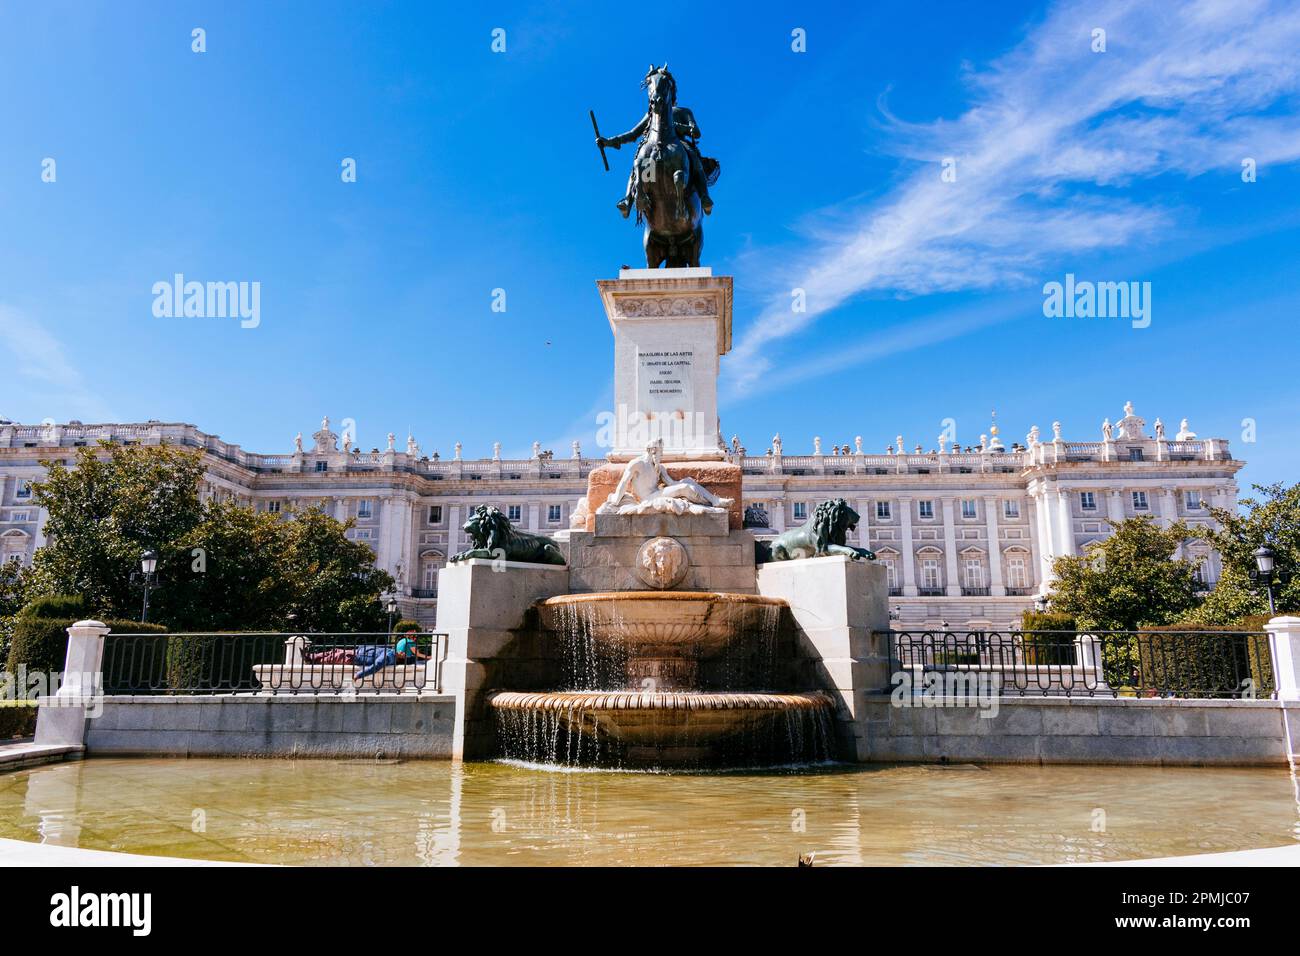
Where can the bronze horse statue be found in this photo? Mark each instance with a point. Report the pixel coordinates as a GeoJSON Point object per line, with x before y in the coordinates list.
{"type": "Point", "coordinates": [670, 181]}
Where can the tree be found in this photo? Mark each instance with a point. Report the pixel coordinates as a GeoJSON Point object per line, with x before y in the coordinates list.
{"type": "Point", "coordinates": [1272, 519]}
{"type": "Point", "coordinates": [221, 566]}
{"type": "Point", "coordinates": [106, 511]}
{"type": "Point", "coordinates": [13, 595]}
{"type": "Point", "coordinates": [1128, 580]}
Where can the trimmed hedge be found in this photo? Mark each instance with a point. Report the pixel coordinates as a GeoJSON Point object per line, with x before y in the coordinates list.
{"type": "Point", "coordinates": [41, 643]}
{"type": "Point", "coordinates": [56, 605]}
{"type": "Point", "coordinates": [17, 719]}
{"type": "Point", "coordinates": [405, 625]}
{"type": "Point", "coordinates": [219, 661]}
{"type": "Point", "coordinates": [1213, 664]}
{"type": "Point", "coordinates": [1048, 649]}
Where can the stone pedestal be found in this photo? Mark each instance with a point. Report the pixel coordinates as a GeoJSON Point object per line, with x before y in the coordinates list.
{"type": "Point", "coordinates": [841, 613]}
{"type": "Point", "coordinates": [483, 607]}
{"type": "Point", "coordinates": [606, 558]}
{"type": "Point", "coordinates": [61, 719]}
{"type": "Point", "coordinates": [722, 479]}
{"type": "Point", "coordinates": [670, 327]}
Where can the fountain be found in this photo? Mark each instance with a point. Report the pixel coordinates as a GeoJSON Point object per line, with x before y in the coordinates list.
{"type": "Point", "coordinates": [671, 679]}
{"type": "Point", "coordinates": [654, 632]}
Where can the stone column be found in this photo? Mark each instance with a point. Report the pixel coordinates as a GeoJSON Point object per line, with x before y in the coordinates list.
{"type": "Point", "coordinates": [864, 524]}
{"type": "Point", "coordinates": [778, 514]}
{"type": "Point", "coordinates": [996, 588]}
{"type": "Point", "coordinates": [1115, 504]}
{"type": "Point", "coordinates": [1042, 541]}
{"type": "Point", "coordinates": [1065, 521]}
{"type": "Point", "coordinates": [453, 530]}
{"type": "Point", "coordinates": [1168, 507]}
{"type": "Point", "coordinates": [61, 719]}
{"type": "Point", "coordinates": [909, 549]}
{"type": "Point", "coordinates": [953, 581]}
{"type": "Point", "coordinates": [1284, 636]}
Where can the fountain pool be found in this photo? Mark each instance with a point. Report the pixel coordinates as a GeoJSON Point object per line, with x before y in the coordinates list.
{"type": "Point", "coordinates": [321, 812]}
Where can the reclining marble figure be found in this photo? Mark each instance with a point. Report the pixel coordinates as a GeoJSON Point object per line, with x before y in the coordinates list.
{"type": "Point", "coordinates": [645, 487]}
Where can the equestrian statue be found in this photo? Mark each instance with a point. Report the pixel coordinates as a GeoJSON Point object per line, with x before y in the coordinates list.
{"type": "Point", "coordinates": [670, 180]}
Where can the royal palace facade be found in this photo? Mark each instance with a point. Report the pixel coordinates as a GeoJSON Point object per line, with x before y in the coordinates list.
{"type": "Point", "coordinates": [967, 535]}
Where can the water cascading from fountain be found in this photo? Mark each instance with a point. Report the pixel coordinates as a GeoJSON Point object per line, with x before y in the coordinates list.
{"type": "Point", "coordinates": [666, 680]}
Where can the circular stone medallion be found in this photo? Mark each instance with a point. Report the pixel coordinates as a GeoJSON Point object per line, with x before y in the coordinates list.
{"type": "Point", "coordinates": [661, 563]}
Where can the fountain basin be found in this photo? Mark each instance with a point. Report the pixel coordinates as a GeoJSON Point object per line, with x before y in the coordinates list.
{"type": "Point", "coordinates": [629, 729]}
{"type": "Point", "coordinates": [666, 640]}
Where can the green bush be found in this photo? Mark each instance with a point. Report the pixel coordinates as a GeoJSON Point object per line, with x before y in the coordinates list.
{"type": "Point", "coordinates": [40, 643]}
{"type": "Point", "coordinates": [406, 625]}
{"type": "Point", "coordinates": [1211, 664]}
{"type": "Point", "coordinates": [1048, 648]}
{"type": "Point", "coordinates": [17, 719]}
{"type": "Point", "coordinates": [71, 606]}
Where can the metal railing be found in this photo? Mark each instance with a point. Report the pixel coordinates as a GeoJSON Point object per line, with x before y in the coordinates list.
{"type": "Point", "coordinates": [272, 663]}
{"type": "Point", "coordinates": [1156, 663]}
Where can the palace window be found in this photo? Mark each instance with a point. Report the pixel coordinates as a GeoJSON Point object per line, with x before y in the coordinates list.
{"type": "Point", "coordinates": [1140, 501]}
{"type": "Point", "coordinates": [1011, 509]}
{"type": "Point", "coordinates": [882, 510]}
{"type": "Point", "coordinates": [1088, 501]}
{"type": "Point", "coordinates": [1135, 454]}
{"type": "Point", "coordinates": [974, 573]}
{"type": "Point", "coordinates": [930, 574]}
{"type": "Point", "coordinates": [800, 510]}
{"type": "Point", "coordinates": [24, 490]}
{"type": "Point", "coordinates": [891, 574]}
{"type": "Point", "coordinates": [512, 512]}
{"type": "Point", "coordinates": [925, 509]}
{"type": "Point", "coordinates": [363, 508]}
{"type": "Point", "coordinates": [553, 513]}
{"type": "Point", "coordinates": [322, 466]}
{"type": "Point", "coordinates": [1193, 501]}
{"type": "Point", "coordinates": [1016, 577]}
{"type": "Point", "coordinates": [435, 514]}
{"type": "Point", "coordinates": [968, 508]}
{"type": "Point", "coordinates": [273, 507]}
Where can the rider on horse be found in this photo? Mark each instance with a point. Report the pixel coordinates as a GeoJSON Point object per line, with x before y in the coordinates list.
{"type": "Point", "coordinates": [687, 129]}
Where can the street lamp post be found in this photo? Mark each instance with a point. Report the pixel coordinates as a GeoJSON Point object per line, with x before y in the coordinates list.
{"type": "Point", "coordinates": [148, 568]}
{"type": "Point", "coordinates": [392, 609]}
{"type": "Point", "coordinates": [1265, 565]}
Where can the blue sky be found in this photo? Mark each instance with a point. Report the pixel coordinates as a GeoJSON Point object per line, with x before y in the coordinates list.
{"type": "Point", "coordinates": [476, 171]}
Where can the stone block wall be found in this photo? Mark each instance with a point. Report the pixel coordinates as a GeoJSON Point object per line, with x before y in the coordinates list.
{"type": "Point", "coordinates": [1101, 730]}
{"type": "Point", "coordinates": [248, 725]}
{"type": "Point", "coordinates": [720, 559]}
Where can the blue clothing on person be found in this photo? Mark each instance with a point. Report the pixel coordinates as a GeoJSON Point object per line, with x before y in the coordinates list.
{"type": "Point", "coordinates": [371, 658]}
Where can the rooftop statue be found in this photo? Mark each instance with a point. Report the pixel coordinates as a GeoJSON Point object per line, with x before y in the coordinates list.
{"type": "Point", "coordinates": [669, 182]}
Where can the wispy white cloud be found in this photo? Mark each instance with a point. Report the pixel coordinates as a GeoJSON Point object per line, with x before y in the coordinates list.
{"type": "Point", "coordinates": [40, 380]}
{"type": "Point", "coordinates": [1052, 136]}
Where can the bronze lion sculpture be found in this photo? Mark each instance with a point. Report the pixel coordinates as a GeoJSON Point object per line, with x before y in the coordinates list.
{"type": "Point", "coordinates": [824, 533]}
{"type": "Point", "coordinates": [495, 539]}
